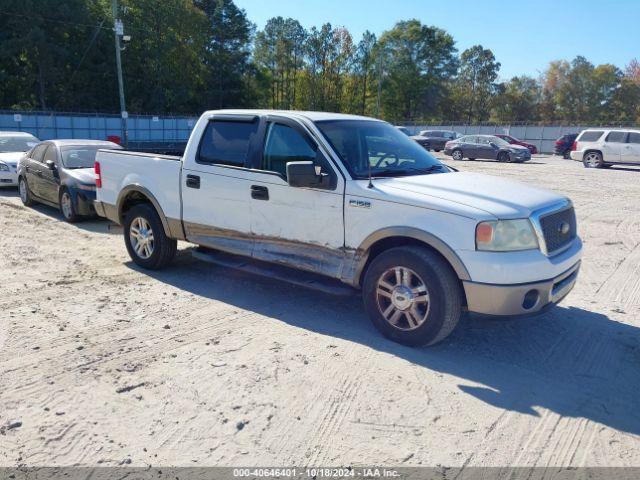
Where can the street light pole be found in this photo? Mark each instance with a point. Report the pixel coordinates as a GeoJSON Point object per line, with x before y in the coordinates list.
{"type": "Point", "coordinates": [117, 33]}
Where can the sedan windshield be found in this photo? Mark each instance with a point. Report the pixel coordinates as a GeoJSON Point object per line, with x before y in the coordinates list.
{"type": "Point", "coordinates": [365, 145]}
{"type": "Point", "coordinates": [81, 156]}
{"type": "Point", "coordinates": [20, 143]}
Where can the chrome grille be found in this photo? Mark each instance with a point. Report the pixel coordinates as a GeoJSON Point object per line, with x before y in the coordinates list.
{"type": "Point", "coordinates": [558, 229]}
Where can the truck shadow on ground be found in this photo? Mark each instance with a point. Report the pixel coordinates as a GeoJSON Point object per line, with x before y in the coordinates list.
{"type": "Point", "coordinates": [573, 362]}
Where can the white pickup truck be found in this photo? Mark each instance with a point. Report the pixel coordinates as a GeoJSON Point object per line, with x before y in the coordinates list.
{"type": "Point", "coordinates": [348, 199]}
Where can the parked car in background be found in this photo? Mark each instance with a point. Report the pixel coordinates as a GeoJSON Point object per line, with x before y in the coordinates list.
{"type": "Point", "coordinates": [488, 147]}
{"type": "Point", "coordinates": [563, 145]}
{"type": "Point", "coordinates": [404, 130]}
{"type": "Point", "coordinates": [60, 173]}
{"type": "Point", "coordinates": [435, 139]}
{"type": "Point", "coordinates": [514, 141]}
{"type": "Point", "coordinates": [294, 189]}
{"type": "Point", "coordinates": [13, 146]}
{"type": "Point", "coordinates": [598, 148]}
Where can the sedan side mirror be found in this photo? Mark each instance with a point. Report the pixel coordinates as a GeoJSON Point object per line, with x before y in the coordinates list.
{"type": "Point", "coordinates": [493, 145]}
{"type": "Point", "coordinates": [51, 165]}
{"type": "Point", "coordinates": [303, 174]}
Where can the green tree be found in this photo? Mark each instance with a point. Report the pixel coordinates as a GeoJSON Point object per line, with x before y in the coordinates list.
{"type": "Point", "coordinates": [475, 86]}
{"type": "Point", "coordinates": [279, 51]}
{"type": "Point", "coordinates": [162, 64]}
{"type": "Point", "coordinates": [416, 62]}
{"type": "Point", "coordinates": [364, 70]}
{"type": "Point", "coordinates": [227, 54]}
{"type": "Point", "coordinates": [517, 100]}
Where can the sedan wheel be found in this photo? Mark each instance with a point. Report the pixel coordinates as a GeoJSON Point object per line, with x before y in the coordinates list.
{"type": "Point", "coordinates": [457, 155]}
{"type": "Point", "coordinates": [141, 237]}
{"type": "Point", "coordinates": [24, 192]}
{"type": "Point", "coordinates": [403, 299]}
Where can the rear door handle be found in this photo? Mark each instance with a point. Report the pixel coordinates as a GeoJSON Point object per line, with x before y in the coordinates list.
{"type": "Point", "coordinates": [193, 181]}
{"type": "Point", "coordinates": [259, 192]}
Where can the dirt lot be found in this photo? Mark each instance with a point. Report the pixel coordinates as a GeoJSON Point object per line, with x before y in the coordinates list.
{"type": "Point", "coordinates": [105, 364]}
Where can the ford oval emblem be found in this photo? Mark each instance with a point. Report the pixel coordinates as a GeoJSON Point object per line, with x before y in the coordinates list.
{"type": "Point", "coordinates": [564, 228]}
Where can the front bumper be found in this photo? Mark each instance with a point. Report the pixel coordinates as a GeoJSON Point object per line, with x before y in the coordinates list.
{"type": "Point", "coordinates": [9, 179]}
{"type": "Point", "coordinates": [520, 299]}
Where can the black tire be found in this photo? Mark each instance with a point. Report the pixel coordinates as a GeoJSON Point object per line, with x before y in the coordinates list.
{"type": "Point", "coordinates": [566, 154]}
{"type": "Point", "coordinates": [457, 152]}
{"type": "Point", "coordinates": [25, 193]}
{"type": "Point", "coordinates": [69, 214]}
{"type": "Point", "coordinates": [441, 283]}
{"type": "Point", "coordinates": [163, 248]}
{"type": "Point", "coordinates": [592, 160]}
{"type": "Point", "coordinates": [504, 157]}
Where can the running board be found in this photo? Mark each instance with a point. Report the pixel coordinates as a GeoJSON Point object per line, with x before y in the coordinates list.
{"type": "Point", "coordinates": [276, 272]}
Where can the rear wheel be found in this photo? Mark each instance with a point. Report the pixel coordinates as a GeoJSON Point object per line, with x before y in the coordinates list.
{"type": "Point", "coordinates": [592, 160]}
{"type": "Point", "coordinates": [566, 154]}
{"type": "Point", "coordinates": [412, 296]}
{"type": "Point", "coordinates": [144, 237]}
{"type": "Point", "coordinates": [25, 194]}
{"type": "Point", "coordinates": [457, 154]}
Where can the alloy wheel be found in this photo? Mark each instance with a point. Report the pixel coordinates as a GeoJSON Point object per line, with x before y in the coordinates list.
{"type": "Point", "coordinates": [24, 195]}
{"type": "Point", "coordinates": [141, 236]}
{"type": "Point", "coordinates": [403, 298]}
{"type": "Point", "coordinates": [65, 203]}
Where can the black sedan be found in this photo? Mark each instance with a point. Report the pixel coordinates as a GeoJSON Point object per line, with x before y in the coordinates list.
{"type": "Point", "coordinates": [486, 146]}
{"type": "Point", "coordinates": [60, 173]}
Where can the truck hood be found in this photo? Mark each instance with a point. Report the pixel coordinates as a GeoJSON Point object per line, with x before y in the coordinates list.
{"type": "Point", "coordinates": [11, 158]}
{"type": "Point", "coordinates": [82, 175]}
{"type": "Point", "coordinates": [473, 192]}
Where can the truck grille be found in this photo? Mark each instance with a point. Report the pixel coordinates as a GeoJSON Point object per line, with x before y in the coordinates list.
{"type": "Point", "coordinates": [559, 229]}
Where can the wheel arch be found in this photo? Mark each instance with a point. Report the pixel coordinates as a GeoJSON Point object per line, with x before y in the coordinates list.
{"type": "Point", "coordinates": [592, 150]}
{"type": "Point", "coordinates": [391, 237]}
{"type": "Point", "coordinates": [136, 194]}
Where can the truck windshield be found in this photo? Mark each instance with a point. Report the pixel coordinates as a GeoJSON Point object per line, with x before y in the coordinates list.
{"type": "Point", "coordinates": [364, 144]}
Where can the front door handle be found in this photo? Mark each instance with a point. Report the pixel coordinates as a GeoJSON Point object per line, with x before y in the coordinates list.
{"type": "Point", "coordinates": [259, 192]}
{"type": "Point", "coordinates": [193, 181]}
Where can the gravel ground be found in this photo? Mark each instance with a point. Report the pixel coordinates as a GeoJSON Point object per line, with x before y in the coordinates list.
{"type": "Point", "coordinates": [105, 364]}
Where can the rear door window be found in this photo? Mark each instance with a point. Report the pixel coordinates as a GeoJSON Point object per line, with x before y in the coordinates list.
{"type": "Point", "coordinates": [616, 137]}
{"type": "Point", "coordinates": [226, 142]}
{"type": "Point", "coordinates": [590, 136]}
{"type": "Point", "coordinates": [634, 137]}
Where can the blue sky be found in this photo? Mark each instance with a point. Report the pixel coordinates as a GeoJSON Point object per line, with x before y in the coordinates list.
{"type": "Point", "coordinates": [524, 35]}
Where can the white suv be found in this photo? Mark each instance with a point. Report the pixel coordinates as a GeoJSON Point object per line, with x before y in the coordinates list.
{"type": "Point", "coordinates": [598, 148]}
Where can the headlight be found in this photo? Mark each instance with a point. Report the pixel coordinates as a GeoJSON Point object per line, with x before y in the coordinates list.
{"type": "Point", "coordinates": [506, 236]}
{"type": "Point", "coordinates": [4, 167]}
{"type": "Point", "coordinates": [88, 188]}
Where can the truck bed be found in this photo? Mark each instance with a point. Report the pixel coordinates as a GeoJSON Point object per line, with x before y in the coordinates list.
{"type": "Point", "coordinates": [159, 175]}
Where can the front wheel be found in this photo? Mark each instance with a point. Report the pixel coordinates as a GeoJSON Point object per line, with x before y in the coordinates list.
{"type": "Point", "coordinates": [412, 296]}
{"type": "Point", "coordinates": [593, 160]}
{"type": "Point", "coordinates": [457, 154]}
{"type": "Point", "coordinates": [25, 194]}
{"type": "Point", "coordinates": [145, 239]}
{"type": "Point", "coordinates": [66, 206]}
{"type": "Point", "coordinates": [504, 157]}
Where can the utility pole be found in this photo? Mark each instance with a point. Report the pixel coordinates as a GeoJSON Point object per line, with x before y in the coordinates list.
{"type": "Point", "coordinates": [118, 31]}
{"type": "Point", "coordinates": [379, 83]}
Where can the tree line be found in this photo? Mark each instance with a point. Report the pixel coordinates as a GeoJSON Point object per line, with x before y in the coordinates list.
{"type": "Point", "coordinates": [186, 56]}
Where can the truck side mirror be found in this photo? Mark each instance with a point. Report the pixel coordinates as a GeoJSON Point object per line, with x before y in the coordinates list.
{"type": "Point", "coordinates": [303, 174]}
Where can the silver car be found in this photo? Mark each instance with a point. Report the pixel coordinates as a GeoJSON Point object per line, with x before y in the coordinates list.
{"type": "Point", "coordinates": [486, 146]}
